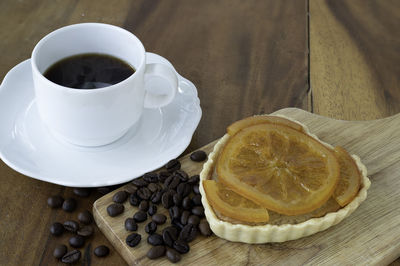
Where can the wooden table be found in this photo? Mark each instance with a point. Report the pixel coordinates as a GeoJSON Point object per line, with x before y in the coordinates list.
{"type": "Point", "coordinates": [335, 58]}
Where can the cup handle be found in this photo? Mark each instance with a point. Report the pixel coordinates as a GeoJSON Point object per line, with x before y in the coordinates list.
{"type": "Point", "coordinates": [161, 84]}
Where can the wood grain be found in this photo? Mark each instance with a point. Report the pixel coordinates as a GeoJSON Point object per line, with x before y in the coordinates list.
{"type": "Point", "coordinates": [369, 236]}
{"type": "Point", "coordinates": [245, 57]}
{"type": "Point", "coordinates": [354, 70]}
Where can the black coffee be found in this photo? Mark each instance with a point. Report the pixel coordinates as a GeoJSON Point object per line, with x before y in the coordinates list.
{"type": "Point", "coordinates": [89, 71]}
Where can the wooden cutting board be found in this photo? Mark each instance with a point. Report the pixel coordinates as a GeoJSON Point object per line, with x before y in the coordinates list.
{"type": "Point", "coordinates": [370, 236]}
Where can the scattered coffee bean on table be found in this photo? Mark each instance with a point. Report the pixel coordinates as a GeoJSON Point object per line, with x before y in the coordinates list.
{"type": "Point", "coordinates": [174, 212]}
{"type": "Point", "coordinates": [115, 209]}
{"type": "Point", "coordinates": [194, 219]}
{"type": "Point", "coordinates": [163, 175]}
{"type": "Point", "coordinates": [204, 228]}
{"type": "Point", "coordinates": [133, 239]}
{"type": "Point", "coordinates": [173, 256]}
{"type": "Point", "coordinates": [60, 251]}
{"type": "Point", "coordinates": [144, 193]}
{"type": "Point", "coordinates": [198, 156]}
{"type": "Point", "coordinates": [198, 210]}
{"type": "Point", "coordinates": [71, 257]}
{"type": "Point", "coordinates": [82, 192]}
{"type": "Point", "coordinates": [167, 200]}
{"type": "Point", "coordinates": [101, 251]}
{"type": "Point", "coordinates": [152, 210]}
{"type": "Point", "coordinates": [134, 200]}
{"type": "Point", "coordinates": [173, 165]}
{"type": "Point", "coordinates": [188, 233]}
{"type": "Point", "coordinates": [155, 239]}
{"type": "Point", "coordinates": [86, 231]}
{"type": "Point", "coordinates": [150, 228]}
{"type": "Point", "coordinates": [151, 177]}
{"type": "Point", "coordinates": [140, 216]}
{"type": "Point", "coordinates": [156, 252]}
{"type": "Point", "coordinates": [185, 217]}
{"type": "Point", "coordinates": [85, 217]}
{"type": "Point", "coordinates": [55, 201]}
{"type": "Point", "coordinates": [120, 196]}
{"type": "Point", "coordinates": [196, 189]}
{"type": "Point", "coordinates": [196, 199]}
{"type": "Point", "coordinates": [69, 205]}
{"type": "Point", "coordinates": [56, 229]}
{"type": "Point", "coordinates": [77, 241]}
{"type": "Point", "coordinates": [159, 218]}
{"type": "Point", "coordinates": [71, 226]}
{"type": "Point", "coordinates": [140, 182]}
{"type": "Point", "coordinates": [194, 179]}
{"type": "Point", "coordinates": [130, 224]}
{"type": "Point", "coordinates": [181, 246]}
{"type": "Point", "coordinates": [144, 205]}
{"type": "Point", "coordinates": [170, 234]}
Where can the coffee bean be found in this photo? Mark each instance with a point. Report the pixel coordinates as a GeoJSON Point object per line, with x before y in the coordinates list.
{"type": "Point", "coordinates": [151, 177]}
{"type": "Point", "coordinates": [82, 192]}
{"type": "Point", "coordinates": [198, 156]}
{"type": "Point", "coordinates": [177, 223]}
{"type": "Point", "coordinates": [155, 239]}
{"type": "Point", "coordinates": [163, 175]}
{"type": "Point", "coordinates": [187, 203]}
{"type": "Point", "coordinates": [85, 217]}
{"type": "Point", "coordinates": [140, 182]}
{"type": "Point", "coordinates": [159, 218]}
{"type": "Point", "coordinates": [120, 196]}
{"type": "Point", "coordinates": [55, 201]}
{"type": "Point", "coordinates": [140, 216]}
{"type": "Point", "coordinates": [152, 210]}
{"type": "Point", "coordinates": [167, 200]}
{"type": "Point", "coordinates": [103, 190]}
{"type": "Point", "coordinates": [188, 233]}
{"type": "Point", "coordinates": [153, 187]}
{"type": "Point", "coordinates": [173, 256]}
{"type": "Point", "coordinates": [115, 209]}
{"type": "Point", "coordinates": [130, 188]}
{"type": "Point", "coordinates": [177, 199]}
{"type": "Point", "coordinates": [60, 251]}
{"type": "Point", "coordinates": [69, 205]}
{"type": "Point", "coordinates": [150, 227]}
{"type": "Point", "coordinates": [193, 180]}
{"type": "Point", "coordinates": [181, 246]}
{"type": "Point", "coordinates": [77, 241]}
{"type": "Point", "coordinates": [71, 226]}
{"type": "Point", "coordinates": [184, 189]}
{"type": "Point", "coordinates": [174, 182]}
{"type": "Point", "coordinates": [170, 234]}
{"type": "Point", "coordinates": [133, 239]}
{"type": "Point", "coordinates": [56, 229]}
{"type": "Point", "coordinates": [144, 193]}
{"type": "Point", "coordinates": [194, 219]}
{"type": "Point", "coordinates": [174, 212]}
{"type": "Point", "coordinates": [185, 217]}
{"type": "Point", "coordinates": [156, 252]}
{"type": "Point", "coordinates": [173, 165]}
{"type": "Point", "coordinates": [197, 200]}
{"type": "Point", "coordinates": [156, 197]}
{"type": "Point", "coordinates": [144, 206]}
{"type": "Point", "coordinates": [130, 224]}
{"type": "Point", "coordinates": [198, 210]}
{"type": "Point", "coordinates": [196, 189]}
{"type": "Point", "coordinates": [204, 228]}
{"type": "Point", "coordinates": [71, 257]}
{"type": "Point", "coordinates": [85, 231]}
{"type": "Point", "coordinates": [134, 200]}
{"type": "Point", "coordinates": [183, 176]}
{"type": "Point", "coordinates": [101, 251]}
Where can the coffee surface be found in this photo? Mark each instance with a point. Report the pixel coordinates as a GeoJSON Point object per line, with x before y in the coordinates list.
{"type": "Point", "coordinates": [89, 71]}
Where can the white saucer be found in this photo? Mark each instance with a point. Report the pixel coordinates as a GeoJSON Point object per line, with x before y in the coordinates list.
{"type": "Point", "coordinates": [27, 146]}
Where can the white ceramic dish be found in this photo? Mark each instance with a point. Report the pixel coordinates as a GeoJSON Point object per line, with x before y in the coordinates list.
{"type": "Point", "coordinates": [28, 147]}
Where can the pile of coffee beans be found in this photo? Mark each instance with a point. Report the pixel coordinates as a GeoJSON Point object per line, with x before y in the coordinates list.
{"type": "Point", "coordinates": [177, 192]}
{"type": "Point", "coordinates": [80, 230]}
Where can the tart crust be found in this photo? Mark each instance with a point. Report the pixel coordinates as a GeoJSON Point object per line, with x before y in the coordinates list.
{"type": "Point", "coordinates": [254, 234]}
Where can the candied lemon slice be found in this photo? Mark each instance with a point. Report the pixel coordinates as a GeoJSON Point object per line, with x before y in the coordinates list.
{"type": "Point", "coordinates": [260, 119]}
{"type": "Point", "coordinates": [279, 168]}
{"type": "Point", "coordinates": [232, 205]}
{"type": "Point", "coordinates": [349, 180]}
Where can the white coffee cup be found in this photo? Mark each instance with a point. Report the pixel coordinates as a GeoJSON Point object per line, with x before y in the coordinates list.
{"type": "Point", "coordinates": [94, 117]}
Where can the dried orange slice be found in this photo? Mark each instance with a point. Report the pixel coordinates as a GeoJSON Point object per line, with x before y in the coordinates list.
{"type": "Point", "coordinates": [260, 119]}
{"type": "Point", "coordinates": [279, 168]}
{"type": "Point", "coordinates": [349, 180]}
{"type": "Point", "coordinates": [232, 205]}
